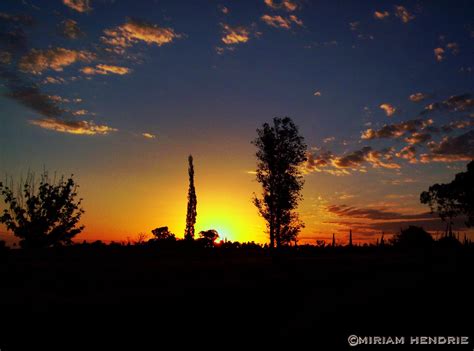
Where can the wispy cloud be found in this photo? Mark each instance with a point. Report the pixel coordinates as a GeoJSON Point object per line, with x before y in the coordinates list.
{"type": "Point", "coordinates": [418, 138]}
{"type": "Point", "coordinates": [381, 14]}
{"type": "Point", "coordinates": [402, 13]}
{"type": "Point", "coordinates": [395, 130]}
{"type": "Point", "coordinates": [135, 31]}
{"type": "Point", "coordinates": [408, 153]}
{"type": "Point", "coordinates": [354, 26]}
{"type": "Point", "coordinates": [389, 109]}
{"type": "Point", "coordinates": [439, 54]}
{"type": "Point", "coordinates": [225, 10]}
{"type": "Point", "coordinates": [286, 5]}
{"type": "Point", "coordinates": [78, 5]}
{"type": "Point", "coordinates": [70, 29]}
{"type": "Point", "coordinates": [374, 213]}
{"type": "Point", "coordinates": [81, 112]}
{"type": "Point", "coordinates": [326, 161]}
{"type": "Point", "coordinates": [54, 80]}
{"type": "Point", "coordinates": [32, 98]}
{"type": "Point", "coordinates": [329, 140]}
{"type": "Point", "coordinates": [73, 127]}
{"type": "Point", "coordinates": [149, 135]}
{"type": "Point", "coordinates": [417, 97]}
{"type": "Point", "coordinates": [276, 21]}
{"type": "Point", "coordinates": [455, 103]}
{"type": "Point", "coordinates": [451, 149]}
{"type": "Point", "coordinates": [235, 35]}
{"type": "Point", "coordinates": [37, 61]}
{"type": "Point", "coordinates": [103, 69]}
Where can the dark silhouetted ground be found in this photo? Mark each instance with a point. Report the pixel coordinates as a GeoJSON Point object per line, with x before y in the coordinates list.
{"type": "Point", "coordinates": [94, 298]}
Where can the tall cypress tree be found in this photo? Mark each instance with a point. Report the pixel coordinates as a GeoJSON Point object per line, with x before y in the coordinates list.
{"type": "Point", "coordinates": [192, 203]}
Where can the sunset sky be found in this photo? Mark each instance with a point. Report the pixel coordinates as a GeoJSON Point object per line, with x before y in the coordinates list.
{"type": "Point", "coordinates": [119, 93]}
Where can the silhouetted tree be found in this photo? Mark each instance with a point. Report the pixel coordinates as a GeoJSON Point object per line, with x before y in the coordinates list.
{"type": "Point", "coordinates": [452, 199]}
{"type": "Point", "coordinates": [163, 233]}
{"type": "Point", "coordinates": [209, 237]}
{"type": "Point", "coordinates": [44, 216]}
{"type": "Point", "coordinates": [350, 237]}
{"type": "Point", "coordinates": [290, 228]}
{"type": "Point", "coordinates": [333, 244]}
{"type": "Point", "coordinates": [192, 203]}
{"type": "Point", "coordinates": [412, 237]}
{"type": "Point", "coordinates": [280, 152]}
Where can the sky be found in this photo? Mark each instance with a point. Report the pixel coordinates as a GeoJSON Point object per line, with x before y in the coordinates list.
{"type": "Point", "coordinates": [119, 93]}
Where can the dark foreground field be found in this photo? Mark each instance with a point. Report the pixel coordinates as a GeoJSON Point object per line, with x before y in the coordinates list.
{"type": "Point", "coordinates": [98, 298]}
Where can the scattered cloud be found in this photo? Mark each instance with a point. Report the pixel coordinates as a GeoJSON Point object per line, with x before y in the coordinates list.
{"type": "Point", "coordinates": [276, 21]}
{"type": "Point", "coordinates": [135, 31]}
{"type": "Point", "coordinates": [451, 149]}
{"type": "Point", "coordinates": [381, 14]}
{"type": "Point", "coordinates": [32, 98]}
{"type": "Point", "coordinates": [149, 135]}
{"type": "Point", "coordinates": [80, 112]}
{"type": "Point", "coordinates": [321, 44]}
{"type": "Point", "coordinates": [70, 29]}
{"type": "Point", "coordinates": [73, 127]}
{"type": "Point", "coordinates": [408, 153]}
{"type": "Point", "coordinates": [451, 126]}
{"type": "Point", "coordinates": [105, 70]}
{"type": "Point", "coordinates": [366, 154]}
{"type": "Point", "coordinates": [402, 13]}
{"type": "Point", "coordinates": [58, 99]}
{"type": "Point", "coordinates": [296, 20]}
{"type": "Point", "coordinates": [223, 9]}
{"type": "Point", "coordinates": [286, 5]}
{"type": "Point", "coordinates": [396, 130]}
{"type": "Point", "coordinates": [221, 50]}
{"type": "Point", "coordinates": [453, 47]}
{"type": "Point", "coordinates": [316, 162]}
{"type": "Point", "coordinates": [455, 103]}
{"type": "Point", "coordinates": [354, 26]}
{"type": "Point", "coordinates": [399, 181]}
{"type": "Point", "coordinates": [418, 138]}
{"type": "Point", "coordinates": [22, 19]}
{"type": "Point", "coordinates": [329, 140]}
{"type": "Point", "coordinates": [81, 6]}
{"type": "Point", "coordinates": [54, 80]}
{"type": "Point", "coordinates": [5, 57]}
{"type": "Point", "coordinates": [327, 162]}
{"type": "Point", "coordinates": [235, 35]}
{"type": "Point", "coordinates": [317, 93]}
{"type": "Point", "coordinates": [389, 109]}
{"type": "Point", "coordinates": [417, 97]}
{"type": "Point", "coordinates": [439, 54]}
{"type": "Point", "coordinates": [37, 61]}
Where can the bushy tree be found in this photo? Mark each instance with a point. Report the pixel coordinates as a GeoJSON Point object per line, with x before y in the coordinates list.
{"type": "Point", "coordinates": [280, 152]}
{"type": "Point", "coordinates": [162, 233]}
{"type": "Point", "coordinates": [454, 198]}
{"type": "Point", "coordinates": [209, 237]}
{"type": "Point", "coordinates": [412, 237]}
{"type": "Point", "coordinates": [42, 216]}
